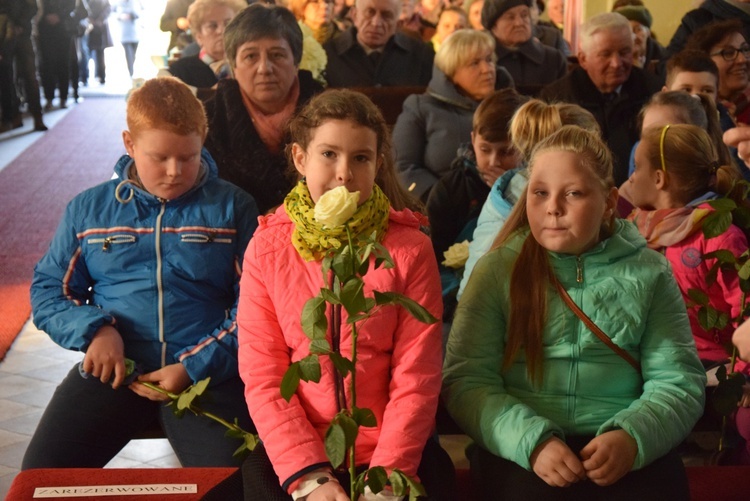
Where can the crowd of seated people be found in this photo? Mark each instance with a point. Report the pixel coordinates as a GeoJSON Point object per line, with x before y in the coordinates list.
{"type": "Point", "coordinates": [575, 356]}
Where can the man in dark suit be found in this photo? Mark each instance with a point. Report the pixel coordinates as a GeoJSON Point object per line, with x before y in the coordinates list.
{"type": "Point", "coordinates": [607, 85]}
{"type": "Point", "coordinates": [372, 54]}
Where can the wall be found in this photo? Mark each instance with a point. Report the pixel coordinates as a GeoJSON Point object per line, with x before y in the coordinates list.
{"type": "Point", "coordinates": [666, 13]}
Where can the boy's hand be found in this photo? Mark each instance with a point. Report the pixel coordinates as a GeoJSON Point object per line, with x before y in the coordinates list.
{"type": "Point", "coordinates": [173, 378]}
{"type": "Point", "coordinates": [556, 464]}
{"type": "Point", "coordinates": [609, 457]}
{"type": "Point", "coordinates": [330, 491]}
{"type": "Point", "coordinates": [106, 354]}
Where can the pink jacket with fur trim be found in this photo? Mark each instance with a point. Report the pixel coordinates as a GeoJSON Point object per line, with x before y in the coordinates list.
{"type": "Point", "coordinates": [725, 295]}
{"type": "Point", "coordinates": [399, 358]}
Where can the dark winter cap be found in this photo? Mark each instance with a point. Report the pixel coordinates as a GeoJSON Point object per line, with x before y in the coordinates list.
{"type": "Point", "coordinates": [493, 9]}
{"type": "Point", "coordinates": [636, 13]}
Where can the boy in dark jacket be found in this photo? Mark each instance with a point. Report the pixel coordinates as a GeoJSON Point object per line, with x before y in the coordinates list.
{"type": "Point", "coordinates": [456, 199]}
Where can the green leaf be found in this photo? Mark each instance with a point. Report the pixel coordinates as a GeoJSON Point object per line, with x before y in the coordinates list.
{"type": "Point", "coordinates": [707, 317]}
{"type": "Point", "coordinates": [314, 321]}
{"type": "Point", "coordinates": [744, 271]}
{"type": "Point", "coordinates": [310, 368]}
{"type": "Point", "coordinates": [398, 483]}
{"type": "Point", "coordinates": [350, 427]}
{"type": "Point", "coordinates": [359, 485]}
{"type": "Point", "coordinates": [698, 296]}
{"type": "Point", "coordinates": [382, 257]}
{"type": "Point", "coordinates": [353, 296]}
{"type": "Point", "coordinates": [364, 417]}
{"type": "Point", "coordinates": [342, 265]}
{"type": "Point", "coordinates": [723, 256]}
{"type": "Point", "coordinates": [129, 366]}
{"type": "Point", "coordinates": [727, 394]}
{"type": "Point", "coordinates": [376, 479]}
{"type": "Point", "coordinates": [241, 451]}
{"type": "Point", "coordinates": [189, 395]}
{"type": "Point", "coordinates": [320, 347]}
{"type": "Point", "coordinates": [325, 267]}
{"type": "Point", "coordinates": [415, 309]}
{"type": "Point", "coordinates": [742, 216]}
{"type": "Point", "coordinates": [329, 296]}
{"type": "Point", "coordinates": [415, 488]}
{"type": "Point", "coordinates": [712, 274]}
{"type": "Point", "coordinates": [716, 223]}
{"type": "Point", "coordinates": [335, 444]}
{"type": "Point", "coordinates": [721, 321]}
{"type": "Point", "coordinates": [290, 381]}
{"type": "Point", "coordinates": [723, 204]}
{"type": "Point", "coordinates": [342, 364]}
{"type": "Point", "coordinates": [364, 266]}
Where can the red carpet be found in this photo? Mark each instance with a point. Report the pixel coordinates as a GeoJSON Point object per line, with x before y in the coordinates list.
{"type": "Point", "coordinates": [78, 152]}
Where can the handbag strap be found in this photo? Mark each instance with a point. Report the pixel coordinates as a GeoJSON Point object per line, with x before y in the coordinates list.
{"type": "Point", "coordinates": [595, 328]}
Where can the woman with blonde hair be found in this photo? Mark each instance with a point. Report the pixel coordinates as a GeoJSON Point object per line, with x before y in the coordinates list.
{"type": "Point", "coordinates": [433, 125]}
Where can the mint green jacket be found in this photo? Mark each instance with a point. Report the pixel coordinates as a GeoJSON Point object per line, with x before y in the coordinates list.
{"type": "Point", "coordinates": [630, 293]}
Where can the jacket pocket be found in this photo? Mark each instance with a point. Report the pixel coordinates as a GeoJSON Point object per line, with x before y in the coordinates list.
{"type": "Point", "coordinates": [109, 241]}
{"type": "Point", "coordinates": [204, 238]}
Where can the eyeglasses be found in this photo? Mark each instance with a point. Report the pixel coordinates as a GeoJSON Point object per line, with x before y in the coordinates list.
{"type": "Point", "coordinates": [730, 53]}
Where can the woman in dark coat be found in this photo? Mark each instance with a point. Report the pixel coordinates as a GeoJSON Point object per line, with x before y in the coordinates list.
{"type": "Point", "coordinates": [247, 115]}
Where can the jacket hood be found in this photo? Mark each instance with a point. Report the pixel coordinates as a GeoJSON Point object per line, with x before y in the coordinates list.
{"type": "Point", "coordinates": [499, 195]}
{"type": "Point", "coordinates": [126, 188]}
{"type": "Point", "coordinates": [443, 89]}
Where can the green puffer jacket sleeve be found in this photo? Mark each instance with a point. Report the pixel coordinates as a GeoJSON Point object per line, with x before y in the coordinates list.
{"type": "Point", "coordinates": [473, 386]}
{"type": "Point", "coordinates": [673, 378]}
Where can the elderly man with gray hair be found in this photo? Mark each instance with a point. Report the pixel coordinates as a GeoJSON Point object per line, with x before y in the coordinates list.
{"type": "Point", "coordinates": [607, 85]}
{"type": "Point", "coordinates": [372, 54]}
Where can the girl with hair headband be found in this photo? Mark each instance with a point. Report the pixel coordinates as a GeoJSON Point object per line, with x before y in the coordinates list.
{"type": "Point", "coordinates": [677, 172]}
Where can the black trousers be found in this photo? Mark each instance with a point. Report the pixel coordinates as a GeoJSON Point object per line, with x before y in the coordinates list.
{"type": "Point", "coordinates": [499, 479]}
{"type": "Point", "coordinates": [256, 480]}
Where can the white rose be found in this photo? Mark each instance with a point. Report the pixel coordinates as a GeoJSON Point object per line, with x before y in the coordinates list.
{"type": "Point", "coordinates": [456, 255]}
{"type": "Point", "coordinates": [336, 206]}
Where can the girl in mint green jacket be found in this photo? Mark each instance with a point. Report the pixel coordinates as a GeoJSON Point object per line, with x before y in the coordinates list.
{"type": "Point", "coordinates": [548, 403]}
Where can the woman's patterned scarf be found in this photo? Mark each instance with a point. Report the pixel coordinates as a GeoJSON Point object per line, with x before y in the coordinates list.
{"type": "Point", "coordinates": [313, 242]}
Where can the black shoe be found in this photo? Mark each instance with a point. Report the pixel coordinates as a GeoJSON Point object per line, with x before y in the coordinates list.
{"type": "Point", "coordinates": [39, 125]}
{"type": "Point", "coordinates": [48, 106]}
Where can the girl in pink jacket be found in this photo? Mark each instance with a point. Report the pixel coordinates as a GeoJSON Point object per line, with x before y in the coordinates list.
{"type": "Point", "coordinates": [677, 171]}
{"type": "Point", "coordinates": [340, 139]}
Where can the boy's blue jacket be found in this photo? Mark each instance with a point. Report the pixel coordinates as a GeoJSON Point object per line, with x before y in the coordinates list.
{"type": "Point", "coordinates": [164, 273]}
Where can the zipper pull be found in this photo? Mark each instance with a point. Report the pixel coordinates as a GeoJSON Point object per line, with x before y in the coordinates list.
{"type": "Point", "coordinates": [106, 244]}
{"type": "Point", "coordinates": [579, 270]}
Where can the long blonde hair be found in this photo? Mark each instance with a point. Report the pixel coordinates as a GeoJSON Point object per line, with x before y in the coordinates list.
{"type": "Point", "coordinates": [532, 271]}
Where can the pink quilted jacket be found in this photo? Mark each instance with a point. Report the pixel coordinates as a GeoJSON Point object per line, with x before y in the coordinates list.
{"type": "Point", "coordinates": [725, 295]}
{"type": "Point", "coordinates": [399, 358]}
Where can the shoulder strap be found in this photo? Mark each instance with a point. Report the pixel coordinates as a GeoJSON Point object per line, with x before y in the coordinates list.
{"type": "Point", "coordinates": [595, 328]}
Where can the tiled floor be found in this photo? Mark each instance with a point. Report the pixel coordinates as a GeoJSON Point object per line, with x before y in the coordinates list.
{"type": "Point", "coordinates": [28, 377]}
